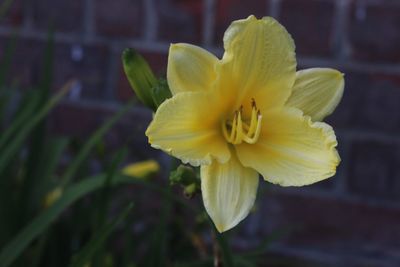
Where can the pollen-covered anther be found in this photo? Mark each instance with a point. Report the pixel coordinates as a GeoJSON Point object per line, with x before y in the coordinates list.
{"type": "Point", "coordinates": [238, 130]}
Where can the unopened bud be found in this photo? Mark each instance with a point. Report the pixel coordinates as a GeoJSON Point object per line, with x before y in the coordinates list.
{"type": "Point", "coordinates": [140, 76]}
{"type": "Point", "coordinates": [141, 169]}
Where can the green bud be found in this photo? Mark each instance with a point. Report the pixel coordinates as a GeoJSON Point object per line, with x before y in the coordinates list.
{"type": "Point", "coordinates": [191, 190]}
{"type": "Point", "coordinates": [184, 175]}
{"type": "Point", "coordinates": [140, 76]}
{"type": "Point", "coordinates": [161, 92]}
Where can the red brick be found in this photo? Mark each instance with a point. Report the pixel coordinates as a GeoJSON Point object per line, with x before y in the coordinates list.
{"type": "Point", "coordinates": [158, 63]}
{"type": "Point", "coordinates": [373, 168]}
{"type": "Point", "coordinates": [65, 16]}
{"type": "Point", "coordinates": [374, 31]}
{"type": "Point", "coordinates": [86, 64]}
{"type": "Point", "coordinates": [13, 16]}
{"type": "Point", "coordinates": [81, 121]}
{"type": "Point", "coordinates": [123, 18]}
{"type": "Point", "coordinates": [76, 121]}
{"type": "Point", "coordinates": [370, 102]}
{"type": "Point", "coordinates": [27, 61]}
{"type": "Point", "coordinates": [330, 225]}
{"type": "Point", "coordinates": [230, 10]}
{"type": "Point", "coordinates": [180, 20]}
{"type": "Point", "coordinates": [310, 22]}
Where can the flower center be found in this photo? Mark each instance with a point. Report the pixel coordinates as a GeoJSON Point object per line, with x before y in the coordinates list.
{"type": "Point", "coordinates": [237, 130]}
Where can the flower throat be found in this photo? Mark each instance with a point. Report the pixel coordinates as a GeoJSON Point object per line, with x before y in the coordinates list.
{"type": "Point", "coordinates": [237, 130]}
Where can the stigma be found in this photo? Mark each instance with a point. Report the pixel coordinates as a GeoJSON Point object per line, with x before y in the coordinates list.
{"type": "Point", "coordinates": [238, 130]}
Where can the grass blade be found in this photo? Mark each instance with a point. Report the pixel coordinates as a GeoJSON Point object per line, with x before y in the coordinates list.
{"type": "Point", "coordinates": [13, 147]}
{"type": "Point", "coordinates": [7, 59]}
{"type": "Point", "coordinates": [43, 220]}
{"type": "Point", "coordinates": [97, 241]}
{"type": "Point", "coordinates": [103, 199]}
{"type": "Point", "coordinates": [20, 119]}
{"type": "Point", "coordinates": [74, 192]}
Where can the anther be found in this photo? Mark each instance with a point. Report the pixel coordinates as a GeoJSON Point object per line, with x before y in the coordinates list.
{"type": "Point", "coordinates": [237, 130]}
{"type": "Point", "coordinates": [253, 103]}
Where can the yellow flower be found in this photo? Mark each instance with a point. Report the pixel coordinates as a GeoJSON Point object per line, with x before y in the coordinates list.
{"type": "Point", "coordinates": [246, 114]}
{"type": "Point", "coordinates": [141, 169]}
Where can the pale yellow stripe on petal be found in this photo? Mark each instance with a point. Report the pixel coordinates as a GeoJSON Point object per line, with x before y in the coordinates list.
{"type": "Point", "coordinates": [229, 191]}
{"type": "Point", "coordinates": [188, 127]}
{"type": "Point", "coordinates": [317, 92]}
{"type": "Point", "coordinates": [190, 68]}
{"type": "Point", "coordinates": [292, 150]}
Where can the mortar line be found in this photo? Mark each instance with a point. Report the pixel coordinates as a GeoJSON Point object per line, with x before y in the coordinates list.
{"type": "Point", "coordinates": [340, 44]}
{"type": "Point", "coordinates": [209, 7]}
{"type": "Point", "coordinates": [274, 8]}
{"type": "Point", "coordinates": [89, 24]}
{"type": "Point", "coordinates": [151, 20]}
{"type": "Point", "coordinates": [112, 73]}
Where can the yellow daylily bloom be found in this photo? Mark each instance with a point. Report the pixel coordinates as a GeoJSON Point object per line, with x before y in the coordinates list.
{"type": "Point", "coordinates": [246, 114]}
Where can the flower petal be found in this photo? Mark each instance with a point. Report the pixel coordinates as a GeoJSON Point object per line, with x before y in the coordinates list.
{"type": "Point", "coordinates": [317, 92]}
{"type": "Point", "coordinates": [190, 68]}
{"type": "Point", "coordinates": [259, 61]}
{"type": "Point", "coordinates": [188, 127]}
{"type": "Point", "coordinates": [292, 150]}
{"type": "Point", "coordinates": [229, 191]}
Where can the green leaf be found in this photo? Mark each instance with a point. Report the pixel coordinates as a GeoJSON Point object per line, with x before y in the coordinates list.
{"type": "Point", "coordinates": [21, 118]}
{"type": "Point", "coordinates": [9, 151]}
{"type": "Point", "coordinates": [71, 194]}
{"type": "Point", "coordinates": [140, 76]}
{"type": "Point", "coordinates": [97, 241]}
{"type": "Point", "coordinates": [157, 254]}
{"type": "Point", "coordinates": [47, 166]}
{"type": "Point", "coordinates": [9, 52]}
{"type": "Point", "coordinates": [43, 220]}
{"type": "Point", "coordinates": [103, 199]}
{"type": "Point", "coordinates": [104, 196]}
{"type": "Point", "coordinates": [37, 139]}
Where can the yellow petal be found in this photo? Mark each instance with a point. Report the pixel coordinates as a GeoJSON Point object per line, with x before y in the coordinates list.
{"type": "Point", "coordinates": [292, 150]}
{"type": "Point", "coordinates": [229, 191]}
{"type": "Point", "coordinates": [190, 68]}
{"type": "Point", "coordinates": [188, 127]}
{"type": "Point", "coordinates": [259, 61]}
{"type": "Point", "coordinates": [141, 169]}
{"type": "Point", "coordinates": [317, 92]}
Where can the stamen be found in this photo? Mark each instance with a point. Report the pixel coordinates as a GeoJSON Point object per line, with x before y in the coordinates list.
{"type": "Point", "coordinates": [237, 131]}
{"type": "Point", "coordinates": [234, 126]}
{"type": "Point", "coordinates": [253, 122]}
{"type": "Point", "coordinates": [253, 103]}
{"type": "Point", "coordinates": [253, 140]}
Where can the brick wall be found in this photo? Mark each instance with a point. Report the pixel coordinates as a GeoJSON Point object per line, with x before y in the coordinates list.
{"type": "Point", "coordinates": [352, 219]}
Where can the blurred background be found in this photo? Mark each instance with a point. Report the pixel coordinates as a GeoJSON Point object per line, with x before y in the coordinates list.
{"type": "Point", "coordinates": [352, 219]}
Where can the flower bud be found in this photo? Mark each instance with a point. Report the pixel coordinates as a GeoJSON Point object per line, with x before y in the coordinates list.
{"type": "Point", "coordinates": [141, 169]}
{"type": "Point", "coordinates": [140, 76]}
